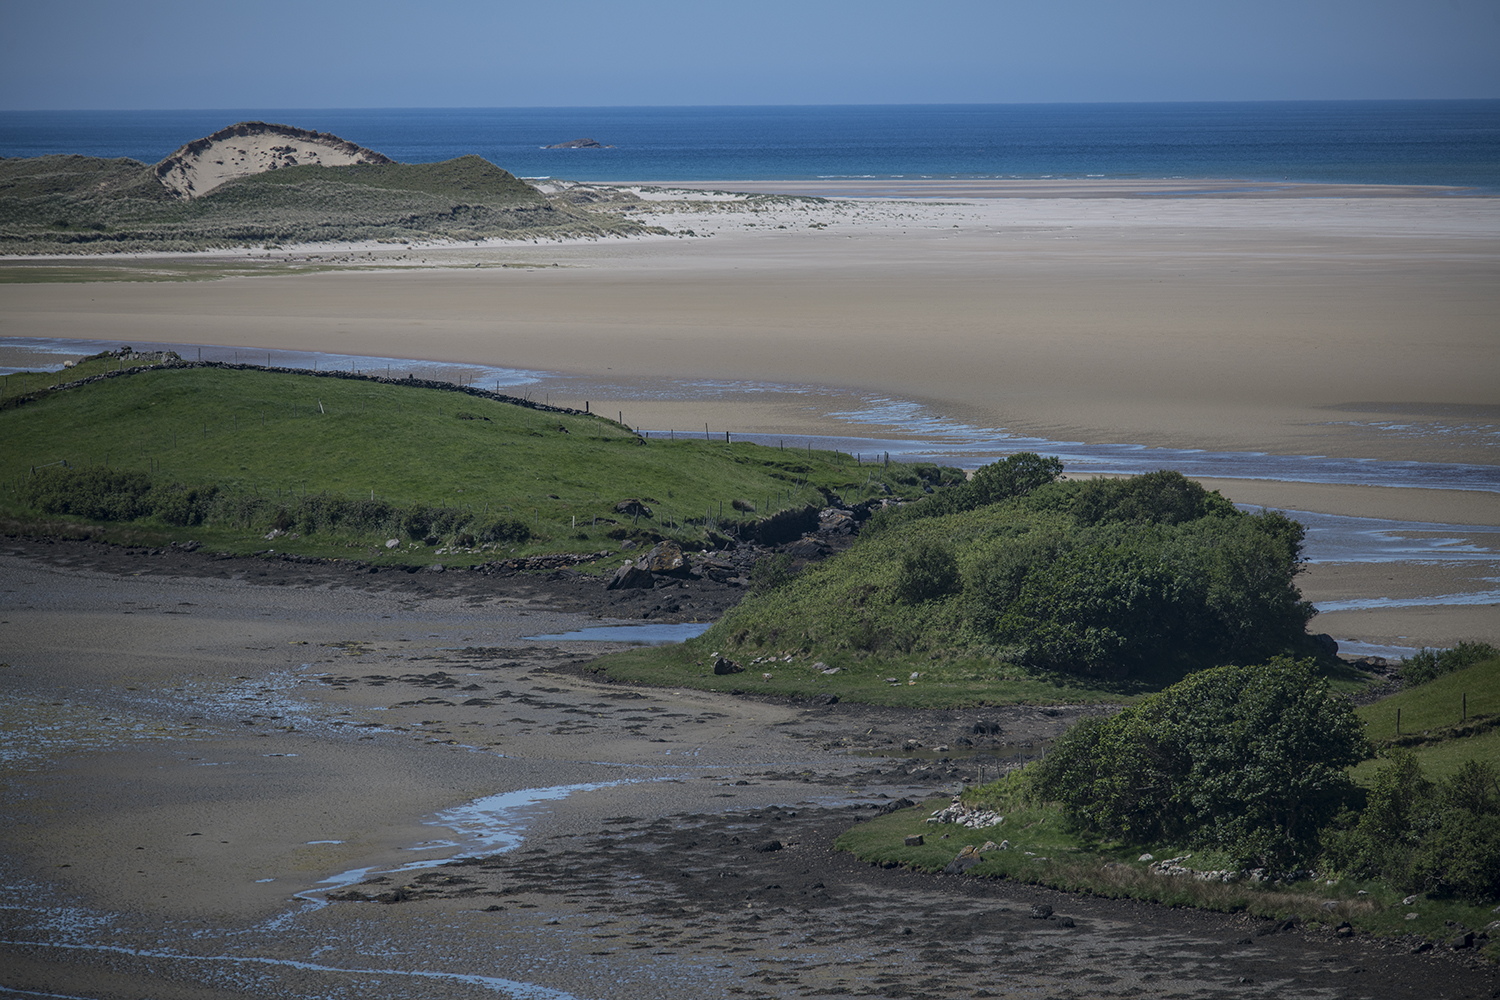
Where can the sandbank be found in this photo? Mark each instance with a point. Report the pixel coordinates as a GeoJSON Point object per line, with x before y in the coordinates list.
{"type": "Point", "coordinates": [1355, 324]}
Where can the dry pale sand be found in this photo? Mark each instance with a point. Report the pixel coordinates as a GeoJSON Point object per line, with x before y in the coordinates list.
{"type": "Point", "coordinates": [1290, 325]}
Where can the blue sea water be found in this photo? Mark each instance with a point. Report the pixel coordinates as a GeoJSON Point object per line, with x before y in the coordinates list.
{"type": "Point", "coordinates": [1367, 142]}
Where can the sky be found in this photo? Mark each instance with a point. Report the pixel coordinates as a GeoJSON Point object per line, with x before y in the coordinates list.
{"type": "Point", "coordinates": [204, 54]}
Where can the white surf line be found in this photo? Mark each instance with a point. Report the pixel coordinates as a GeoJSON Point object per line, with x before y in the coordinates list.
{"type": "Point", "coordinates": [520, 990]}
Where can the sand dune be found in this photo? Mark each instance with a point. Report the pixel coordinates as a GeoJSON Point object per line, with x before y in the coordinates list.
{"type": "Point", "coordinates": [253, 148]}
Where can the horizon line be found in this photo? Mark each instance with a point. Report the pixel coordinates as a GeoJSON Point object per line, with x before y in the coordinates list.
{"type": "Point", "coordinates": [885, 104]}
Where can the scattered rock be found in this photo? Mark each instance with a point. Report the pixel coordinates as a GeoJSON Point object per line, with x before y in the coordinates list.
{"type": "Point", "coordinates": [1040, 911]}
{"type": "Point", "coordinates": [914, 840]}
{"type": "Point", "coordinates": [825, 699]}
{"type": "Point", "coordinates": [666, 557]}
{"type": "Point", "coordinates": [897, 805]}
{"type": "Point", "coordinates": [630, 576]}
{"type": "Point", "coordinates": [1344, 929]}
{"type": "Point", "coordinates": [1066, 922]}
{"type": "Point", "coordinates": [723, 666]}
{"type": "Point", "coordinates": [1146, 857]}
{"type": "Point", "coordinates": [768, 847]}
{"type": "Point", "coordinates": [967, 816]}
{"type": "Point", "coordinates": [967, 858]}
{"type": "Point", "coordinates": [1464, 940]}
{"type": "Point", "coordinates": [632, 508]}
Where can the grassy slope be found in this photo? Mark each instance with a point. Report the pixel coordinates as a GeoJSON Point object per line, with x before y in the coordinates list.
{"type": "Point", "coordinates": [826, 614]}
{"type": "Point", "coordinates": [958, 683]}
{"type": "Point", "coordinates": [253, 431]}
{"type": "Point", "coordinates": [61, 203]}
{"type": "Point", "coordinates": [1436, 710]}
{"type": "Point", "coordinates": [1064, 859]}
{"type": "Point", "coordinates": [1061, 859]}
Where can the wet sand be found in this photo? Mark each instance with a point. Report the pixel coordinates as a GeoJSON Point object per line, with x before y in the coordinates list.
{"type": "Point", "coordinates": [1293, 325]}
{"type": "Point", "coordinates": [144, 704]}
{"type": "Point", "coordinates": [191, 752]}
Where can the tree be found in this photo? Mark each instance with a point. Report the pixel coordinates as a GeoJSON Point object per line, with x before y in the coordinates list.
{"type": "Point", "coordinates": [1015, 476]}
{"type": "Point", "coordinates": [1250, 760]}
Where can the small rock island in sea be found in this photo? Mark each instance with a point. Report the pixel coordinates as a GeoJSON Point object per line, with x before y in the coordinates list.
{"type": "Point", "coordinates": [579, 144]}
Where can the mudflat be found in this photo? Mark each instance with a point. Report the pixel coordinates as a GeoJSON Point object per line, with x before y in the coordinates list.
{"type": "Point", "coordinates": [313, 782]}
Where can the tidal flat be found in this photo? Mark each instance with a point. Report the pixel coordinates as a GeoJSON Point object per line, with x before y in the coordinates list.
{"type": "Point", "coordinates": [306, 725]}
{"type": "Point", "coordinates": [312, 784]}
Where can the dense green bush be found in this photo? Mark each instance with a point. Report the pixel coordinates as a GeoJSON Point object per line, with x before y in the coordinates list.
{"type": "Point", "coordinates": [1430, 664]}
{"type": "Point", "coordinates": [98, 493]}
{"type": "Point", "coordinates": [1108, 578]}
{"type": "Point", "coordinates": [1248, 760]}
{"type": "Point", "coordinates": [1163, 497]}
{"type": "Point", "coordinates": [928, 570]}
{"type": "Point", "coordinates": [1424, 836]}
{"type": "Point", "coordinates": [1122, 594]}
{"type": "Point", "coordinates": [1012, 477]}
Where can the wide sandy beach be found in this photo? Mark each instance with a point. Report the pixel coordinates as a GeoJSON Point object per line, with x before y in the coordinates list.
{"type": "Point", "coordinates": [193, 748]}
{"type": "Point", "coordinates": [1353, 322]}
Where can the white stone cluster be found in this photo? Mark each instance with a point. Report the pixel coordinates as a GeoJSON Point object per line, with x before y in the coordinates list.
{"type": "Point", "coordinates": [966, 816]}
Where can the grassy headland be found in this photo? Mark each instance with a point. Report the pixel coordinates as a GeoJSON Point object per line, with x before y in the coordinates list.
{"type": "Point", "coordinates": [80, 204]}
{"type": "Point", "coordinates": [1014, 587]}
{"type": "Point", "coordinates": [1134, 806]}
{"type": "Point", "coordinates": [226, 454]}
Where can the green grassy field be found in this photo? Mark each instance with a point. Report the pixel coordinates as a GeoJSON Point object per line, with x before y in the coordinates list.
{"type": "Point", "coordinates": [1433, 722]}
{"type": "Point", "coordinates": [959, 683]}
{"type": "Point", "coordinates": [1043, 851]}
{"type": "Point", "coordinates": [279, 437]}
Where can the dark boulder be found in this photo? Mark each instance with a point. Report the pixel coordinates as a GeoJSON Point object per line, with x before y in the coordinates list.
{"type": "Point", "coordinates": [630, 576]}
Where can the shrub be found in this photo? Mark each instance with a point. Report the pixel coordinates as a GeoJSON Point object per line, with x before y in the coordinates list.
{"type": "Point", "coordinates": [1162, 497]}
{"type": "Point", "coordinates": [1424, 837]}
{"type": "Point", "coordinates": [1430, 664]}
{"type": "Point", "coordinates": [1015, 476]}
{"type": "Point", "coordinates": [770, 572]}
{"type": "Point", "coordinates": [98, 493]}
{"type": "Point", "coordinates": [507, 529]}
{"type": "Point", "coordinates": [1121, 595]}
{"type": "Point", "coordinates": [1248, 760]}
{"type": "Point", "coordinates": [928, 570]}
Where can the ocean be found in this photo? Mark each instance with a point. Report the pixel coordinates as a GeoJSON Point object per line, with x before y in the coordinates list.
{"type": "Point", "coordinates": [1448, 143]}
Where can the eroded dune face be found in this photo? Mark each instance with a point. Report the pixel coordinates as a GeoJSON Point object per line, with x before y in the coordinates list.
{"type": "Point", "coordinates": [254, 148]}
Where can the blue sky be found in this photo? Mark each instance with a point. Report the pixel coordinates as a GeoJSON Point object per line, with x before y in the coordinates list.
{"type": "Point", "coordinates": [107, 54]}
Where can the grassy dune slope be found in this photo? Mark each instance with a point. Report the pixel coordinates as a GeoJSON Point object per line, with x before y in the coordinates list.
{"type": "Point", "coordinates": [280, 436]}
{"type": "Point", "coordinates": [83, 204]}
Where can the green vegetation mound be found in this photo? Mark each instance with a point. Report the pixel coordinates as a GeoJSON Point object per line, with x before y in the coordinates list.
{"type": "Point", "coordinates": [1145, 578]}
{"type": "Point", "coordinates": [82, 204]}
{"type": "Point", "coordinates": [338, 462]}
{"type": "Point", "coordinates": [1250, 761]}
